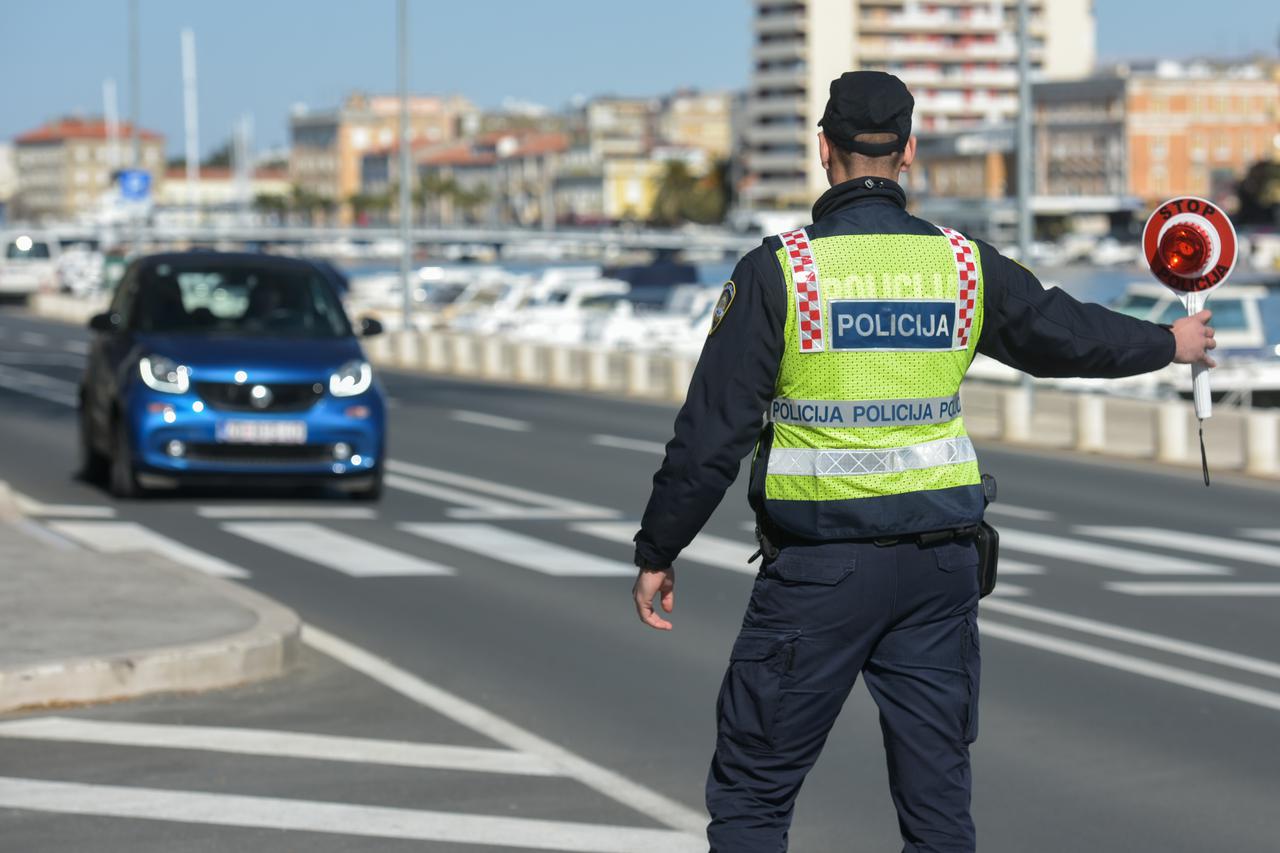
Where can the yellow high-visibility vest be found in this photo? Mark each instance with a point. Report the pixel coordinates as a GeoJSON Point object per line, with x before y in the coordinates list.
{"type": "Point", "coordinates": [867, 437]}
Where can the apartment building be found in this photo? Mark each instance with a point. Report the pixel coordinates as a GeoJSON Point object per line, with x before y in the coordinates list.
{"type": "Point", "coordinates": [64, 167]}
{"type": "Point", "coordinates": [701, 121]}
{"type": "Point", "coordinates": [327, 148]}
{"type": "Point", "coordinates": [959, 58]}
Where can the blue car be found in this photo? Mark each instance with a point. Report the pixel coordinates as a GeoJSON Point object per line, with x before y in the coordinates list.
{"type": "Point", "coordinates": [217, 368]}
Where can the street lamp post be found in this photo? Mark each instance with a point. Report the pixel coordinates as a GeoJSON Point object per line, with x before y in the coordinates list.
{"type": "Point", "coordinates": [406, 173]}
{"type": "Point", "coordinates": [1024, 150]}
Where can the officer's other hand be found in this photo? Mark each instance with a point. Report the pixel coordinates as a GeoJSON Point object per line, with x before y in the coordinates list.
{"type": "Point", "coordinates": [1194, 336]}
{"type": "Point", "coordinates": [650, 583]}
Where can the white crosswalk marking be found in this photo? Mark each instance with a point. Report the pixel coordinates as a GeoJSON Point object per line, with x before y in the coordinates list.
{"type": "Point", "coordinates": [639, 445]}
{"type": "Point", "coordinates": [336, 818]}
{"type": "Point", "coordinates": [1017, 567]}
{"type": "Point", "coordinates": [78, 347]}
{"type": "Point", "coordinates": [1106, 556]}
{"type": "Point", "coordinates": [1199, 589]}
{"type": "Point", "coordinates": [520, 550]}
{"type": "Point", "coordinates": [280, 745]}
{"type": "Point", "coordinates": [284, 511]}
{"type": "Point", "coordinates": [705, 548]}
{"type": "Point", "coordinates": [1020, 512]}
{"type": "Point", "coordinates": [346, 554]}
{"type": "Point", "coordinates": [116, 537]}
{"type": "Point", "coordinates": [494, 421]}
{"type": "Point", "coordinates": [1269, 533]}
{"type": "Point", "coordinates": [31, 506]}
{"type": "Point", "coordinates": [465, 490]}
{"type": "Point", "coordinates": [1197, 543]}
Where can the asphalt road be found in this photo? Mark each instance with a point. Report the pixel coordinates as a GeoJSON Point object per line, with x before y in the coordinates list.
{"type": "Point", "coordinates": [1131, 695]}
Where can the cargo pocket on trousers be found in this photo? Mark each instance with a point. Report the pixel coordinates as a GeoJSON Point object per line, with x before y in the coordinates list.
{"type": "Point", "coordinates": [749, 697]}
{"type": "Point", "coordinates": [957, 555]}
{"type": "Point", "coordinates": [799, 568]}
{"type": "Point", "coordinates": [972, 662]}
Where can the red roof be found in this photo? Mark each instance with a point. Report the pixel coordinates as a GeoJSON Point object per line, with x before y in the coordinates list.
{"type": "Point", "coordinates": [60, 130]}
{"type": "Point", "coordinates": [457, 155]}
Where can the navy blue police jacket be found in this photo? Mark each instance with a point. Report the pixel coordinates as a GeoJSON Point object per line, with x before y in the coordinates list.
{"type": "Point", "coordinates": [1042, 332]}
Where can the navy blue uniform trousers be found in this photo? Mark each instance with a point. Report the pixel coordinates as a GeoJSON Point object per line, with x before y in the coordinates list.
{"type": "Point", "coordinates": [903, 615]}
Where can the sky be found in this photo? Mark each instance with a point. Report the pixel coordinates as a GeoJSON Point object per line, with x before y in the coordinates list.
{"type": "Point", "coordinates": [262, 58]}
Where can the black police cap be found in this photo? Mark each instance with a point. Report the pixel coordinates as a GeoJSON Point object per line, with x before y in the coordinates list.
{"type": "Point", "coordinates": [868, 102]}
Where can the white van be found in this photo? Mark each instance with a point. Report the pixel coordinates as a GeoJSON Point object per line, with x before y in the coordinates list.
{"type": "Point", "coordinates": [29, 263]}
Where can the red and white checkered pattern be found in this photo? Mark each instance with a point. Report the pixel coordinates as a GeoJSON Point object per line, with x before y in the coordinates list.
{"type": "Point", "coordinates": [804, 272]}
{"type": "Point", "coordinates": [967, 270]}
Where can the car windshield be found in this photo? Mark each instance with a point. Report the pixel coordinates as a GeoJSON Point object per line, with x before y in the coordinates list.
{"type": "Point", "coordinates": [1228, 314]}
{"type": "Point", "coordinates": [208, 298]}
{"type": "Point", "coordinates": [26, 248]}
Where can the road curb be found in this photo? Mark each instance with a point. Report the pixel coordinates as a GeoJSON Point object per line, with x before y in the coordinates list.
{"type": "Point", "coordinates": [262, 651]}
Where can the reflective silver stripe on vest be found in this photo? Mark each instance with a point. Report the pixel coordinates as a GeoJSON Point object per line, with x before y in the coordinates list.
{"type": "Point", "coordinates": [865, 413]}
{"type": "Point", "coordinates": [807, 462]}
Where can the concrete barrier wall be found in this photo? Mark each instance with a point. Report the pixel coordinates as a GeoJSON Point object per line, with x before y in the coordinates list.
{"type": "Point", "coordinates": [1166, 430]}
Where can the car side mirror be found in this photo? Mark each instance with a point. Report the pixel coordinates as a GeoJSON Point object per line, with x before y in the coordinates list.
{"type": "Point", "coordinates": [105, 322]}
{"type": "Point", "coordinates": [370, 327]}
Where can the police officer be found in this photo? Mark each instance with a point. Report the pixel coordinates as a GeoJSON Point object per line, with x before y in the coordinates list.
{"type": "Point", "coordinates": [852, 336]}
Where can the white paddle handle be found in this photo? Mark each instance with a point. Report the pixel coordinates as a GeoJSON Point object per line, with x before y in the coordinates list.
{"type": "Point", "coordinates": [1200, 391]}
{"type": "Point", "coordinates": [1199, 373]}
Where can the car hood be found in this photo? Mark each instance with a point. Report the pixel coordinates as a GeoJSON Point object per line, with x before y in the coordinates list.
{"type": "Point", "coordinates": [263, 359]}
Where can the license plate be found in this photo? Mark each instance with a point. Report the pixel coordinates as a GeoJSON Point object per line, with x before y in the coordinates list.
{"type": "Point", "coordinates": [262, 432]}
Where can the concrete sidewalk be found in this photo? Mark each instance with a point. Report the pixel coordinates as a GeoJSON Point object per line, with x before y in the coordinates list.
{"type": "Point", "coordinates": [81, 626]}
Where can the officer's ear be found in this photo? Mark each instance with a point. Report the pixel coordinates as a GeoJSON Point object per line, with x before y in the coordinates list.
{"type": "Point", "coordinates": [909, 154]}
{"type": "Point", "coordinates": [824, 151]}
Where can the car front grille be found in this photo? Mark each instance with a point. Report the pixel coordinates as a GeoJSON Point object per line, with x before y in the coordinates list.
{"type": "Point", "coordinates": [285, 397]}
{"type": "Point", "coordinates": [260, 454]}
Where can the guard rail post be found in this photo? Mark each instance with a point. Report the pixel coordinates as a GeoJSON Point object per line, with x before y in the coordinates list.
{"type": "Point", "coordinates": [528, 363]}
{"type": "Point", "coordinates": [561, 366]}
{"type": "Point", "coordinates": [406, 348]}
{"type": "Point", "coordinates": [464, 354]}
{"type": "Point", "coordinates": [1015, 414]}
{"type": "Point", "coordinates": [491, 358]}
{"type": "Point", "coordinates": [1262, 434]}
{"type": "Point", "coordinates": [436, 352]}
{"type": "Point", "coordinates": [1171, 431]}
{"type": "Point", "coordinates": [681, 370]}
{"type": "Point", "coordinates": [639, 382]}
{"type": "Point", "coordinates": [598, 369]}
{"type": "Point", "coordinates": [1091, 423]}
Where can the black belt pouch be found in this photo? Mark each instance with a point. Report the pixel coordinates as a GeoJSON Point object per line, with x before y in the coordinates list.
{"type": "Point", "coordinates": [988, 542]}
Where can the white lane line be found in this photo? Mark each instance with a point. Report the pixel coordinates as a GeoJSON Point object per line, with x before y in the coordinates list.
{"type": "Point", "coordinates": [35, 339]}
{"type": "Point", "coordinates": [31, 506]}
{"type": "Point", "coordinates": [622, 443]}
{"type": "Point", "coordinates": [1010, 590]}
{"type": "Point", "coordinates": [1135, 637]}
{"type": "Point", "coordinates": [448, 494]}
{"type": "Point", "coordinates": [38, 385]}
{"type": "Point", "coordinates": [332, 818]}
{"type": "Point", "coordinates": [705, 548]}
{"type": "Point", "coordinates": [635, 796]}
{"type": "Point", "coordinates": [1017, 567]}
{"type": "Point", "coordinates": [78, 347]}
{"type": "Point", "coordinates": [288, 511]}
{"type": "Point", "coordinates": [1020, 512]}
{"type": "Point", "coordinates": [546, 506]}
{"type": "Point", "coordinates": [1106, 556]}
{"type": "Point", "coordinates": [1198, 543]}
{"type": "Point", "coordinates": [1136, 665]}
{"type": "Point", "coordinates": [338, 551]}
{"type": "Point", "coordinates": [1196, 589]}
{"type": "Point", "coordinates": [494, 421]}
{"type": "Point", "coordinates": [281, 744]}
{"type": "Point", "coordinates": [44, 358]}
{"type": "Point", "coordinates": [519, 550]}
{"type": "Point", "coordinates": [117, 537]}
{"type": "Point", "coordinates": [1269, 533]}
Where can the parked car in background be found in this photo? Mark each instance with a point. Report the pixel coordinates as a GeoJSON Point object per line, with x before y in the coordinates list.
{"type": "Point", "coordinates": [29, 263]}
{"type": "Point", "coordinates": [213, 368]}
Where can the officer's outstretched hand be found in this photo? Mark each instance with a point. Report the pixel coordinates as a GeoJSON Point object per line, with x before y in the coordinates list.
{"type": "Point", "coordinates": [651, 582]}
{"type": "Point", "coordinates": [1194, 338]}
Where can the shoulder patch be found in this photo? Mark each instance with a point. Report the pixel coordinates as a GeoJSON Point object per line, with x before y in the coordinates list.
{"type": "Point", "coordinates": [722, 306]}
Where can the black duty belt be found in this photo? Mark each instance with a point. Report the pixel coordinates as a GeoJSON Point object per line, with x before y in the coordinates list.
{"type": "Point", "coordinates": [932, 537]}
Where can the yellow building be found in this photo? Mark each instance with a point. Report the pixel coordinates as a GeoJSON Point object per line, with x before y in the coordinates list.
{"type": "Point", "coordinates": [328, 147]}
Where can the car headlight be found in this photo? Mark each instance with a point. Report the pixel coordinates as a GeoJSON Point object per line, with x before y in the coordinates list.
{"type": "Point", "coordinates": [351, 379]}
{"type": "Point", "coordinates": [164, 374]}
